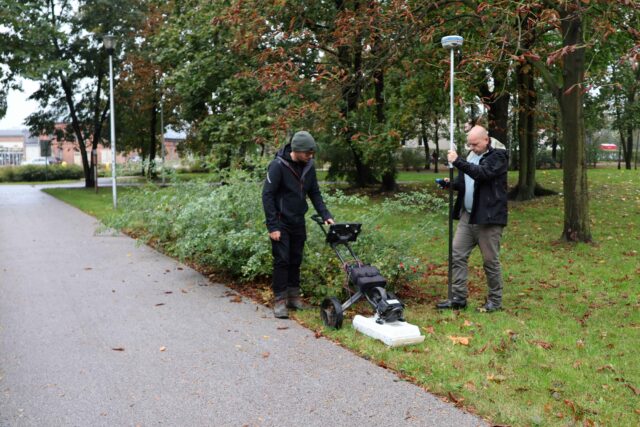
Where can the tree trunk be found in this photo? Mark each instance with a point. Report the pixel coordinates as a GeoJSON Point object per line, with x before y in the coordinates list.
{"type": "Point", "coordinates": [554, 140]}
{"type": "Point", "coordinates": [89, 182]}
{"type": "Point", "coordinates": [350, 58]}
{"type": "Point", "coordinates": [628, 154]}
{"type": "Point", "coordinates": [436, 139]}
{"type": "Point", "coordinates": [576, 195]}
{"type": "Point", "coordinates": [425, 143]}
{"type": "Point", "coordinates": [389, 175]}
{"type": "Point", "coordinates": [527, 101]}
{"type": "Point", "coordinates": [153, 128]}
{"type": "Point", "coordinates": [497, 103]}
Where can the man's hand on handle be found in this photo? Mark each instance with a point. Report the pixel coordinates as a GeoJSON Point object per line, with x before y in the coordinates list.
{"type": "Point", "coordinates": [275, 235]}
{"type": "Point", "coordinates": [452, 156]}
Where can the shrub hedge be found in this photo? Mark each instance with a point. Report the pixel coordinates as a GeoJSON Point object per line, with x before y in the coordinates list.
{"type": "Point", "coordinates": [31, 173]}
{"type": "Point", "coordinates": [222, 227]}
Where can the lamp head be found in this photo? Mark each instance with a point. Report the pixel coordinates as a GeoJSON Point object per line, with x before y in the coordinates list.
{"type": "Point", "coordinates": [109, 41]}
{"type": "Point", "coordinates": [451, 42]}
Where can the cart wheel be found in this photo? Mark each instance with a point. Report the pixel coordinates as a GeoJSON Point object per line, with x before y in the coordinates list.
{"type": "Point", "coordinates": [331, 312]}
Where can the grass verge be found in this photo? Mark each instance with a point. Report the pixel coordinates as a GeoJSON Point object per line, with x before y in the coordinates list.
{"type": "Point", "coordinates": [563, 352]}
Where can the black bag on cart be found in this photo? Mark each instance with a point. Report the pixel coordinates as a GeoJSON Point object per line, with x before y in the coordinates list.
{"type": "Point", "coordinates": [366, 277]}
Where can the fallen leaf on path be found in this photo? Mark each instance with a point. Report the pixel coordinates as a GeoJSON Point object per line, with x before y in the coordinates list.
{"type": "Point", "coordinates": [184, 291]}
{"type": "Point", "coordinates": [180, 268]}
{"type": "Point", "coordinates": [459, 340]}
{"type": "Point", "coordinates": [163, 348]}
{"type": "Point", "coordinates": [282, 328]}
{"type": "Point", "coordinates": [88, 268]}
{"type": "Point", "coordinates": [457, 401]}
{"type": "Point", "coordinates": [265, 354]}
{"type": "Point", "coordinates": [168, 292]}
{"type": "Point", "coordinates": [236, 299]}
{"type": "Point", "coordinates": [159, 304]}
{"type": "Point", "coordinates": [118, 349]}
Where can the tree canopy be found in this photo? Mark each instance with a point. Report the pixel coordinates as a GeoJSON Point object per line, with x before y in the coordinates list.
{"type": "Point", "coordinates": [240, 76]}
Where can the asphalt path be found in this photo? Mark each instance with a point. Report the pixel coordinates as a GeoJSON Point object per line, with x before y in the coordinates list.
{"type": "Point", "coordinates": [97, 330]}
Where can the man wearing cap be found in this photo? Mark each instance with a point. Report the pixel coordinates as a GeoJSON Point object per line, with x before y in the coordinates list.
{"type": "Point", "coordinates": [291, 177]}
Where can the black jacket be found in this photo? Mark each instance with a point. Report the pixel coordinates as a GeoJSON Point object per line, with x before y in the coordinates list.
{"type": "Point", "coordinates": [285, 190]}
{"type": "Point", "coordinates": [490, 189]}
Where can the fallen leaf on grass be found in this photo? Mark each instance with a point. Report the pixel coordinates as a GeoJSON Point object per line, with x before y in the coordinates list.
{"type": "Point", "coordinates": [163, 348]}
{"type": "Point", "coordinates": [480, 350]}
{"type": "Point", "coordinates": [496, 378]}
{"type": "Point", "coordinates": [118, 349]}
{"type": "Point", "coordinates": [429, 330]}
{"type": "Point", "coordinates": [637, 411]}
{"type": "Point", "coordinates": [607, 367]}
{"type": "Point", "coordinates": [467, 323]}
{"type": "Point", "coordinates": [542, 344]}
{"type": "Point", "coordinates": [457, 401]}
{"type": "Point", "coordinates": [634, 389]}
{"type": "Point", "coordinates": [470, 386]}
{"type": "Point", "coordinates": [460, 340]}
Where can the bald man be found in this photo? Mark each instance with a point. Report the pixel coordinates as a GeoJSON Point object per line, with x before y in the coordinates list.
{"type": "Point", "coordinates": [481, 208]}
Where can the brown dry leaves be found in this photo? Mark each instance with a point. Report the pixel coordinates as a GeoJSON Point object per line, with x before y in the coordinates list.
{"type": "Point", "coordinates": [460, 340]}
{"type": "Point", "coordinates": [542, 344]}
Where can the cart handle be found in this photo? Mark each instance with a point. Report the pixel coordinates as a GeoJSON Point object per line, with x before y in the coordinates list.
{"type": "Point", "coordinates": [318, 219]}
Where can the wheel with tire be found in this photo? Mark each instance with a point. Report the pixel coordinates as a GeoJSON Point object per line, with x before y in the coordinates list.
{"type": "Point", "coordinates": [331, 312]}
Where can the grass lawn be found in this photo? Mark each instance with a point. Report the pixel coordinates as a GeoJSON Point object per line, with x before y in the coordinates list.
{"type": "Point", "coordinates": [563, 352]}
{"type": "Point", "coordinates": [99, 205]}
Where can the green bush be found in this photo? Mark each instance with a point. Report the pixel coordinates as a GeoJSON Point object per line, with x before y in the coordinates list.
{"type": "Point", "coordinates": [412, 158]}
{"type": "Point", "coordinates": [222, 227]}
{"type": "Point", "coordinates": [31, 173]}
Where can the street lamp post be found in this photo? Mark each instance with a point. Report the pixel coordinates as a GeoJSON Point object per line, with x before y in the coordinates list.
{"type": "Point", "coordinates": [110, 45]}
{"type": "Point", "coordinates": [162, 134]}
{"type": "Point", "coordinates": [452, 43]}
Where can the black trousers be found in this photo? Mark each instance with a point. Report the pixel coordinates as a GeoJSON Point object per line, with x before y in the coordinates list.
{"type": "Point", "coordinates": [287, 258]}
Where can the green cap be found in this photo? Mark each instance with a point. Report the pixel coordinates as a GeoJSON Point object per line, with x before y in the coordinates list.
{"type": "Point", "coordinates": [303, 141]}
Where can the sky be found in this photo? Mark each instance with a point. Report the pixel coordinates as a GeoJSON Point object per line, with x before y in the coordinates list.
{"type": "Point", "coordinates": [18, 107]}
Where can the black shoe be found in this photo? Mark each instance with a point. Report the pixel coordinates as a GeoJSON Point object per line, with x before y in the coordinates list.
{"type": "Point", "coordinates": [296, 303]}
{"type": "Point", "coordinates": [489, 307]}
{"type": "Point", "coordinates": [294, 299]}
{"type": "Point", "coordinates": [452, 304]}
{"type": "Point", "coordinates": [280, 308]}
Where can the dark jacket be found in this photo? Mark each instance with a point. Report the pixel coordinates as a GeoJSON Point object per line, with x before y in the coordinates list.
{"type": "Point", "coordinates": [490, 189]}
{"type": "Point", "coordinates": [285, 190]}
